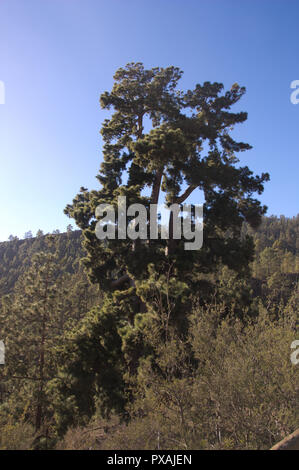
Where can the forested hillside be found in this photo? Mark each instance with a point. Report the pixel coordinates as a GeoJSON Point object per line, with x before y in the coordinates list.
{"type": "Point", "coordinates": [46, 297]}
{"type": "Point", "coordinates": [276, 254]}
{"type": "Point", "coordinates": [16, 255]}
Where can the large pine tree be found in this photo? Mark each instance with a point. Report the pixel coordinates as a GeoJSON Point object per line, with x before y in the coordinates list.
{"type": "Point", "coordinates": [188, 145]}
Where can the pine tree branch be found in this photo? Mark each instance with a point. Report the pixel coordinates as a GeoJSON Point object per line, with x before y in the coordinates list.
{"type": "Point", "coordinates": [185, 194]}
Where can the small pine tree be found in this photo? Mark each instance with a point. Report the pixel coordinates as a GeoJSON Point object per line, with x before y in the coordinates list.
{"type": "Point", "coordinates": [31, 321]}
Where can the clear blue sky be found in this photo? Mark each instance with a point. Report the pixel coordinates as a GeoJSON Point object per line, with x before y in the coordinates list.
{"type": "Point", "coordinates": [57, 56]}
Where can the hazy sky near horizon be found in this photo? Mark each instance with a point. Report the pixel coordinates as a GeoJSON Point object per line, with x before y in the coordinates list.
{"type": "Point", "coordinates": [58, 56]}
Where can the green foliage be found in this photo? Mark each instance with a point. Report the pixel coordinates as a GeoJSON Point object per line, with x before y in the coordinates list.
{"type": "Point", "coordinates": [168, 348]}
{"type": "Point", "coordinates": [227, 385]}
{"type": "Point", "coordinates": [155, 363]}
{"type": "Point", "coordinates": [88, 358]}
{"type": "Point", "coordinates": [16, 436]}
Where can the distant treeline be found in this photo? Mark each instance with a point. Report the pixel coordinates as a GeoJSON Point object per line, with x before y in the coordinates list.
{"type": "Point", "coordinates": [276, 259]}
